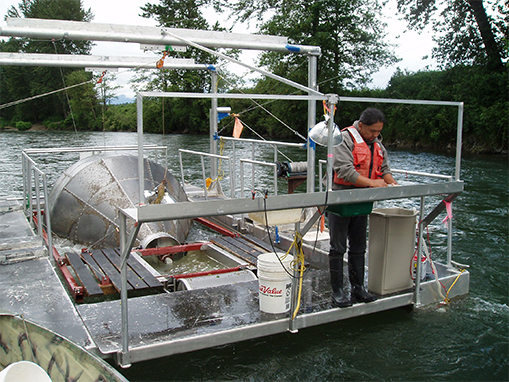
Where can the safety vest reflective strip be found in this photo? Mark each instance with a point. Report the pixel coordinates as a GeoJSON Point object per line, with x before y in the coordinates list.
{"type": "Point", "coordinates": [362, 157]}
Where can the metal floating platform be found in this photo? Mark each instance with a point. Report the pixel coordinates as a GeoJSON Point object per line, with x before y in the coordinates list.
{"type": "Point", "coordinates": [164, 323]}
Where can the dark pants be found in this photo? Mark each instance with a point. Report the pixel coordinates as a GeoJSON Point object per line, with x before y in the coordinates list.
{"type": "Point", "coordinates": [351, 231]}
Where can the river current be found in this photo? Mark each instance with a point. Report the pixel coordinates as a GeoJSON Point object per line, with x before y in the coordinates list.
{"type": "Point", "coordinates": [466, 340]}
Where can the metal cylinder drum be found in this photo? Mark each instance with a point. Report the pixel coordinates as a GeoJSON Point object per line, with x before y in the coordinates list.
{"type": "Point", "coordinates": [84, 202]}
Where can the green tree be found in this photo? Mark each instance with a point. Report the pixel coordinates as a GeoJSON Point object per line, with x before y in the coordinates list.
{"type": "Point", "coordinates": [179, 114]}
{"type": "Point", "coordinates": [349, 32]}
{"type": "Point", "coordinates": [465, 32]}
{"type": "Point", "coordinates": [24, 82]}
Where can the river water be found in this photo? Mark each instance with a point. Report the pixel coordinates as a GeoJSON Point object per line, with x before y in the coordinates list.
{"type": "Point", "coordinates": [466, 340]}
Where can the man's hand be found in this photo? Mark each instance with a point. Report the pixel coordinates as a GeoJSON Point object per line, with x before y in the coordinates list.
{"type": "Point", "coordinates": [378, 183]}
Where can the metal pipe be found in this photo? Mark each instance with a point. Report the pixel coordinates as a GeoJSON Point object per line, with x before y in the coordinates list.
{"type": "Point", "coordinates": [233, 170]}
{"type": "Point", "coordinates": [311, 147]}
{"type": "Point", "coordinates": [99, 62]}
{"type": "Point", "coordinates": [213, 124]}
{"type": "Point", "coordinates": [76, 30]}
{"type": "Point", "coordinates": [292, 327]}
{"type": "Point", "coordinates": [92, 149]}
{"type": "Point", "coordinates": [182, 171]}
{"type": "Point", "coordinates": [277, 143]}
{"type": "Point", "coordinates": [38, 201]}
{"type": "Point", "coordinates": [141, 169]}
{"type": "Point", "coordinates": [203, 176]}
{"type": "Point", "coordinates": [418, 173]}
{"type": "Point", "coordinates": [126, 244]}
{"type": "Point", "coordinates": [332, 100]}
{"type": "Point", "coordinates": [47, 214]}
{"type": "Point", "coordinates": [253, 167]}
{"type": "Point", "coordinates": [449, 242]}
{"type": "Point", "coordinates": [251, 67]}
{"type": "Point", "coordinates": [459, 141]}
{"type": "Point", "coordinates": [320, 173]}
{"type": "Point", "coordinates": [282, 97]}
{"type": "Point", "coordinates": [241, 179]}
{"type": "Point", "coordinates": [417, 292]}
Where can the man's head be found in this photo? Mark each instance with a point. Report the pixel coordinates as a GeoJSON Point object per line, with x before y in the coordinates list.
{"type": "Point", "coordinates": [371, 123]}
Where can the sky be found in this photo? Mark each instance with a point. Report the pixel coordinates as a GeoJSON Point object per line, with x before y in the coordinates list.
{"type": "Point", "coordinates": [412, 47]}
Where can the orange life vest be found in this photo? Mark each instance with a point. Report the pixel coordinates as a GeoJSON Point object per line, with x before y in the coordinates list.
{"type": "Point", "coordinates": [366, 162]}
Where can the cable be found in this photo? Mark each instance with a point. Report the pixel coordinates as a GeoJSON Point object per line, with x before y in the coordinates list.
{"type": "Point", "coordinates": [66, 94]}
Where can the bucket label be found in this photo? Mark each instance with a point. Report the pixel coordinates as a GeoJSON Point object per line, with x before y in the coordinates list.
{"type": "Point", "coordinates": [270, 291]}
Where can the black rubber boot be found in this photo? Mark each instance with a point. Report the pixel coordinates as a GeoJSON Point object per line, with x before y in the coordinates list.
{"type": "Point", "coordinates": [356, 274]}
{"type": "Point", "coordinates": [338, 296]}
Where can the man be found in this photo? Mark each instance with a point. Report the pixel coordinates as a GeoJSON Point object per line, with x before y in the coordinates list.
{"type": "Point", "coordinates": [359, 161]}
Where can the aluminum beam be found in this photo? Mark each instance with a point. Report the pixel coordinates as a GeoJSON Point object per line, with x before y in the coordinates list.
{"type": "Point", "coordinates": [186, 210]}
{"type": "Point", "coordinates": [77, 30]}
{"type": "Point", "coordinates": [317, 97]}
{"type": "Point", "coordinates": [82, 61]}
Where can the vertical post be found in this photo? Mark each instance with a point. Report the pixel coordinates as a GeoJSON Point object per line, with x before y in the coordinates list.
{"type": "Point", "coordinates": [459, 142]}
{"type": "Point", "coordinates": [213, 125]}
{"type": "Point", "coordinates": [252, 166]}
{"type": "Point", "coordinates": [275, 179]}
{"type": "Point", "coordinates": [125, 360]}
{"type": "Point", "coordinates": [38, 201]}
{"type": "Point", "coordinates": [141, 169]}
{"type": "Point", "coordinates": [449, 242]}
{"type": "Point", "coordinates": [233, 171]}
{"type": "Point", "coordinates": [47, 215]}
{"type": "Point", "coordinates": [29, 191]}
{"type": "Point", "coordinates": [203, 175]}
{"type": "Point", "coordinates": [295, 286]}
{"type": "Point", "coordinates": [417, 292]}
{"type": "Point", "coordinates": [126, 244]}
{"type": "Point", "coordinates": [332, 100]}
{"type": "Point", "coordinates": [242, 179]}
{"type": "Point", "coordinates": [25, 180]}
{"type": "Point", "coordinates": [312, 75]}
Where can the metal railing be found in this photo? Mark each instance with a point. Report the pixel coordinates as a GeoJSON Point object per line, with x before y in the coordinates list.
{"type": "Point", "coordinates": [253, 163]}
{"type": "Point", "coordinates": [254, 142]}
{"type": "Point", "coordinates": [33, 180]}
{"type": "Point", "coordinates": [204, 178]}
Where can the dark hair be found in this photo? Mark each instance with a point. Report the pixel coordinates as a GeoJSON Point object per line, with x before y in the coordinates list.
{"type": "Point", "coordinates": [370, 116]}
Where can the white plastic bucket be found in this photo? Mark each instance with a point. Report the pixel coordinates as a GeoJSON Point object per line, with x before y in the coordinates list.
{"type": "Point", "coordinates": [275, 282]}
{"type": "Point", "coordinates": [24, 371]}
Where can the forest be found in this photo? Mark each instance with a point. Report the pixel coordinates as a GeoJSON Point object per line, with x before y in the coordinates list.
{"type": "Point", "coordinates": [471, 49]}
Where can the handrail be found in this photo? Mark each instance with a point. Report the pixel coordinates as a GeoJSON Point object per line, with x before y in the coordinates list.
{"type": "Point", "coordinates": [425, 174]}
{"type": "Point", "coordinates": [277, 143]}
{"type": "Point", "coordinates": [397, 171]}
{"type": "Point", "coordinates": [30, 170]}
{"type": "Point", "coordinates": [253, 162]}
{"type": "Point", "coordinates": [202, 154]}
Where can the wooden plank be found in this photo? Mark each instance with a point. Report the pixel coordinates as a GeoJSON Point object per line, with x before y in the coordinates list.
{"type": "Point", "coordinates": [98, 272]}
{"type": "Point", "coordinates": [132, 278]}
{"type": "Point", "coordinates": [243, 245]}
{"type": "Point", "coordinates": [109, 269]}
{"type": "Point", "coordinates": [259, 242]}
{"type": "Point", "coordinates": [220, 241]}
{"type": "Point", "coordinates": [92, 264]}
{"type": "Point", "coordinates": [141, 271]}
{"type": "Point", "coordinates": [84, 274]}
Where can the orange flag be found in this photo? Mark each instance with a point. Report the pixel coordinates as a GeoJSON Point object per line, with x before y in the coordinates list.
{"type": "Point", "coordinates": [237, 128]}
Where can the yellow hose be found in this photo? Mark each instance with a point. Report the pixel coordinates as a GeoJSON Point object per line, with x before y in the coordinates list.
{"type": "Point", "coordinates": [300, 259]}
{"type": "Point", "coordinates": [446, 300]}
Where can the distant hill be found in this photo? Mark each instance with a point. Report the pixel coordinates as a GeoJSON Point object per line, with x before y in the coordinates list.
{"type": "Point", "coordinates": [120, 99]}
